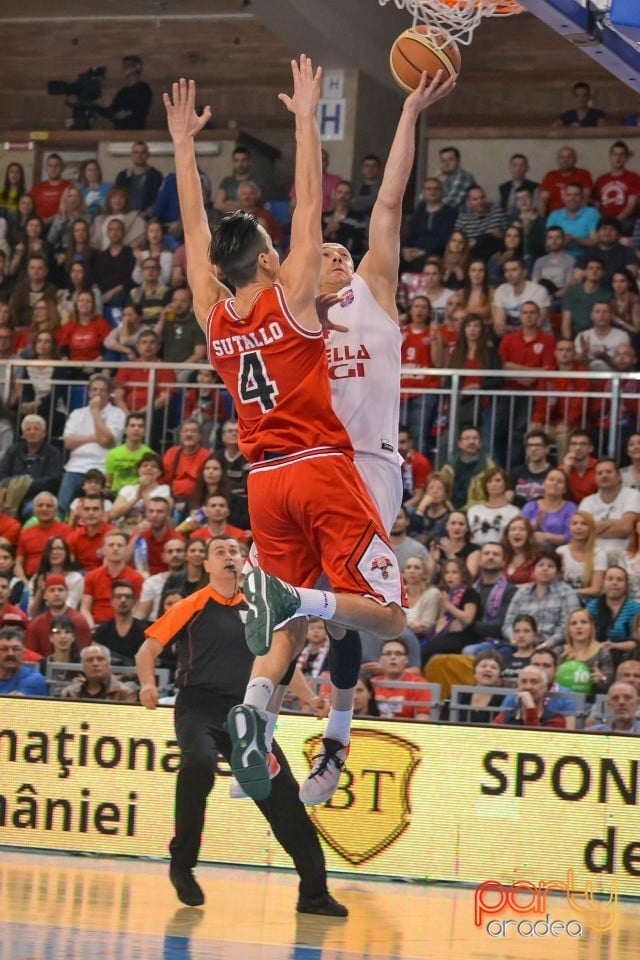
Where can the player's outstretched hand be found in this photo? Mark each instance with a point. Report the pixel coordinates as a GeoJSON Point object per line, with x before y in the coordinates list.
{"type": "Point", "coordinates": [306, 88]}
{"type": "Point", "coordinates": [324, 302]}
{"type": "Point", "coordinates": [182, 119]}
{"type": "Point", "coordinates": [427, 93]}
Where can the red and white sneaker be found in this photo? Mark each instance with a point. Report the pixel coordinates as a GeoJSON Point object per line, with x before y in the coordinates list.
{"type": "Point", "coordinates": [235, 790]}
{"type": "Point", "coordinates": [322, 782]}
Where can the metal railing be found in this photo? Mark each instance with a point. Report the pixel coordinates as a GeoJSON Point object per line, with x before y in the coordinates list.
{"type": "Point", "coordinates": [434, 415]}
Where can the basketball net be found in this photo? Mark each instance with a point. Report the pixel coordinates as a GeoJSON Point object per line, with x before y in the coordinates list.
{"type": "Point", "coordinates": [454, 18]}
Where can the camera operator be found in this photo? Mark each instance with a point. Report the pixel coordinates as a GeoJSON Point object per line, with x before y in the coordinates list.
{"type": "Point", "coordinates": [130, 106]}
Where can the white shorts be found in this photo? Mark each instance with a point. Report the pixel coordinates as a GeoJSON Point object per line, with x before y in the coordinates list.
{"type": "Point", "coordinates": [383, 480]}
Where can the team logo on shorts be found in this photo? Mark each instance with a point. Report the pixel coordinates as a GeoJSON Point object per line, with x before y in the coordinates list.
{"type": "Point", "coordinates": [347, 298]}
{"type": "Point", "coordinates": [382, 564]}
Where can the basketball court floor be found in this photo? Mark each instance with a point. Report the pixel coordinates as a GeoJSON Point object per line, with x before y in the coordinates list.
{"type": "Point", "coordinates": [60, 907]}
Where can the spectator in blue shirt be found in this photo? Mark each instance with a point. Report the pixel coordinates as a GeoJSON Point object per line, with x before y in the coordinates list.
{"type": "Point", "coordinates": [15, 679]}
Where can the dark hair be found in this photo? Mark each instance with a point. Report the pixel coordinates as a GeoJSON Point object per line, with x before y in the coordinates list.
{"type": "Point", "coordinates": [550, 651]}
{"type": "Point", "coordinates": [400, 640]}
{"type": "Point", "coordinates": [200, 493]}
{"type": "Point", "coordinates": [461, 349]}
{"type": "Point", "coordinates": [66, 623]}
{"type": "Point", "coordinates": [119, 584]}
{"type": "Point", "coordinates": [546, 554]}
{"type": "Point", "coordinates": [93, 496]}
{"type": "Point", "coordinates": [235, 247]}
{"type": "Point", "coordinates": [44, 566]}
{"type": "Point", "coordinates": [538, 433]}
{"type": "Point", "coordinates": [94, 474]}
{"type": "Point", "coordinates": [530, 546]}
{"type": "Point", "coordinates": [5, 192]}
{"type": "Point", "coordinates": [372, 705]}
{"type": "Point", "coordinates": [527, 619]}
{"type": "Point", "coordinates": [581, 85]}
{"type": "Point", "coordinates": [489, 654]}
{"type": "Point", "coordinates": [12, 633]}
{"type": "Point", "coordinates": [150, 457]}
{"type": "Point", "coordinates": [453, 150]}
{"type": "Point", "coordinates": [241, 149]}
{"type": "Point", "coordinates": [134, 416]}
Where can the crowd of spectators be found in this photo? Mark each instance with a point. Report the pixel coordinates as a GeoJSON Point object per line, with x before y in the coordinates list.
{"type": "Point", "coordinates": [509, 549]}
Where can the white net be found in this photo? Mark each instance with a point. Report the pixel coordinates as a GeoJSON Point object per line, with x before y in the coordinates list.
{"type": "Point", "coordinates": [459, 18]}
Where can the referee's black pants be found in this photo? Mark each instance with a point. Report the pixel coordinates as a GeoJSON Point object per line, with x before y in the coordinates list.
{"type": "Point", "coordinates": [199, 724]}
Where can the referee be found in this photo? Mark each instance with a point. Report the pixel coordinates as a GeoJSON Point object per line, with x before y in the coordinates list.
{"type": "Point", "coordinates": [214, 664]}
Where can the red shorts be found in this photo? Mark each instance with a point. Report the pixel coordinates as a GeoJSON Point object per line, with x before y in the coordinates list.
{"type": "Point", "coordinates": [312, 514]}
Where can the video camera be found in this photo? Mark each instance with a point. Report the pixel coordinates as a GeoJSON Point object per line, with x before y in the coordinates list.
{"type": "Point", "coordinates": [86, 89]}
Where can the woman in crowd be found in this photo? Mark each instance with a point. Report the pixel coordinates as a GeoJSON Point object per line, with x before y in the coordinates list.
{"type": "Point", "coordinates": [117, 205]}
{"type": "Point", "coordinates": [364, 698]}
{"type": "Point", "coordinates": [455, 545]}
{"type": "Point", "coordinates": [122, 339]}
{"type": "Point", "coordinates": [583, 563]}
{"type": "Point", "coordinates": [433, 508]}
{"type": "Point", "coordinates": [37, 386]}
{"type": "Point", "coordinates": [550, 516]}
{"type": "Point", "coordinates": [83, 339]}
{"type": "Point", "coordinates": [32, 243]}
{"type": "Point", "coordinates": [625, 304]}
{"type": "Point", "coordinates": [94, 191]}
{"type": "Point", "coordinates": [130, 504]}
{"type": "Point", "coordinates": [71, 209]}
{"type": "Point", "coordinates": [454, 261]}
{"type": "Point", "coordinates": [512, 248]}
{"type": "Point", "coordinates": [458, 608]}
{"type": "Point", "coordinates": [17, 583]}
{"type": "Point", "coordinates": [79, 282]}
{"type": "Point", "coordinates": [422, 596]}
{"type": "Point", "coordinates": [473, 351]}
{"type": "Point", "coordinates": [79, 249]}
{"type": "Point", "coordinates": [487, 672]}
{"type": "Point", "coordinates": [13, 188]}
{"type": "Point", "coordinates": [194, 576]}
{"type": "Point", "coordinates": [434, 290]}
{"type": "Point", "coordinates": [18, 224]}
{"type": "Point", "coordinates": [153, 245]}
{"type": "Point", "coordinates": [615, 615]}
{"type": "Point", "coordinates": [583, 647]}
{"type": "Point", "coordinates": [531, 709]}
{"type": "Point", "coordinates": [419, 411]}
{"type": "Point", "coordinates": [62, 636]}
{"type": "Point", "coordinates": [212, 479]}
{"type": "Point", "coordinates": [56, 558]}
{"type": "Point", "coordinates": [629, 560]}
{"type": "Point", "coordinates": [524, 640]}
{"type": "Point", "coordinates": [520, 551]}
{"type": "Point", "coordinates": [44, 319]}
{"type": "Point", "coordinates": [488, 519]}
{"type": "Point", "coordinates": [476, 292]}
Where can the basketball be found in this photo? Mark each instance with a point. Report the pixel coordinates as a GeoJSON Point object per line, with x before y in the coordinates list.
{"type": "Point", "coordinates": [423, 48]}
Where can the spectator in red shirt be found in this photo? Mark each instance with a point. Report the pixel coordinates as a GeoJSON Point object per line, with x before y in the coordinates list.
{"type": "Point", "coordinates": [8, 608]}
{"type": "Point", "coordinates": [33, 539]}
{"type": "Point", "coordinates": [580, 466]}
{"type": "Point", "coordinates": [217, 510]}
{"type": "Point", "coordinates": [396, 701]}
{"type": "Point", "coordinates": [157, 531]}
{"type": "Point", "coordinates": [183, 462]}
{"type": "Point", "coordinates": [9, 528]}
{"type": "Point", "coordinates": [98, 585]}
{"type": "Point", "coordinates": [415, 468]}
{"type": "Point", "coordinates": [85, 542]}
{"type": "Point", "coordinates": [560, 413]}
{"type": "Point", "coordinates": [132, 385]}
{"type": "Point", "coordinates": [525, 349]}
{"type": "Point", "coordinates": [47, 193]}
{"type": "Point", "coordinates": [83, 338]}
{"type": "Point", "coordinates": [419, 410]}
{"type": "Point", "coordinates": [56, 592]}
{"type": "Point", "coordinates": [617, 191]}
{"type": "Point", "coordinates": [556, 181]}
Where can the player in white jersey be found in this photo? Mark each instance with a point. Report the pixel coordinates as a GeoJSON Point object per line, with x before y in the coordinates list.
{"type": "Point", "coordinates": [363, 347]}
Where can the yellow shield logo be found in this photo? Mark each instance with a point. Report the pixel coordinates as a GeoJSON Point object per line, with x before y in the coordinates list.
{"type": "Point", "coordinates": [370, 808]}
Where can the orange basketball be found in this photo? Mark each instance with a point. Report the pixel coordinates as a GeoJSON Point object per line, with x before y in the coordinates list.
{"type": "Point", "coordinates": [423, 48]}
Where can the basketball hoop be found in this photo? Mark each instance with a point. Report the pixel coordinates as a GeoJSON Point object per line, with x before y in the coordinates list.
{"type": "Point", "coordinates": [458, 18]}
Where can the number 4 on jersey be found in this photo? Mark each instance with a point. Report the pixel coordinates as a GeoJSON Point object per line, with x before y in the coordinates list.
{"type": "Point", "coordinates": [254, 382]}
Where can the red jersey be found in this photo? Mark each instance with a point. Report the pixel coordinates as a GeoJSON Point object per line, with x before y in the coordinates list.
{"type": "Point", "coordinates": [536, 353]}
{"type": "Point", "coordinates": [416, 352]}
{"type": "Point", "coordinates": [580, 485]}
{"type": "Point", "coordinates": [134, 381]}
{"type": "Point", "coordinates": [613, 192]}
{"type": "Point", "coordinates": [85, 341]}
{"type": "Point", "coordinates": [277, 375]}
{"type": "Point", "coordinates": [155, 548]}
{"type": "Point", "coordinates": [561, 409]}
{"type": "Point", "coordinates": [46, 196]}
{"type": "Point", "coordinates": [99, 585]}
{"type": "Point", "coordinates": [86, 549]}
{"type": "Point", "coordinates": [9, 529]}
{"type": "Point", "coordinates": [229, 531]}
{"type": "Point", "coordinates": [32, 542]}
{"type": "Point", "coordinates": [181, 470]}
{"type": "Point", "coordinates": [555, 183]}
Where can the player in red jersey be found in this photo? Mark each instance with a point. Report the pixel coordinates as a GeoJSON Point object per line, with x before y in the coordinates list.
{"type": "Point", "coordinates": [311, 509]}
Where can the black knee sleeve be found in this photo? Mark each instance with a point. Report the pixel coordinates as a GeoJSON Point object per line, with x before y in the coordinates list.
{"type": "Point", "coordinates": [286, 680]}
{"type": "Point", "coordinates": [345, 660]}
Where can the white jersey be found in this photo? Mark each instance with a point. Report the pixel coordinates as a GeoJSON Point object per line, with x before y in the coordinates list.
{"type": "Point", "coordinates": [364, 372]}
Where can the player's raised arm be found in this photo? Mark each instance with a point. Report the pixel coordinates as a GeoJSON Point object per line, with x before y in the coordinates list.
{"type": "Point", "coordinates": [184, 125]}
{"type": "Point", "coordinates": [379, 266]}
{"type": "Point", "coordinates": [301, 269]}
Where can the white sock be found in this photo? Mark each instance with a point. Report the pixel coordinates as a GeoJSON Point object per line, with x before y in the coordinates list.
{"type": "Point", "coordinates": [259, 692]}
{"type": "Point", "coordinates": [316, 603]}
{"type": "Point", "coordinates": [339, 725]}
{"type": "Point", "coordinates": [272, 719]}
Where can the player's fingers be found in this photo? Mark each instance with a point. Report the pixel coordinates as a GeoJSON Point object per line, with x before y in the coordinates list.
{"type": "Point", "coordinates": [318, 75]}
{"type": "Point", "coordinates": [175, 90]}
{"type": "Point", "coordinates": [183, 91]}
{"type": "Point", "coordinates": [286, 99]}
{"type": "Point", "coordinates": [166, 99]}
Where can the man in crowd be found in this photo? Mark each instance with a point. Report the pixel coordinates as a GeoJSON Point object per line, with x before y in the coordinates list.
{"type": "Point", "coordinates": [455, 181]}
{"type": "Point", "coordinates": [97, 681]}
{"type": "Point", "coordinates": [623, 703]}
{"type": "Point", "coordinates": [513, 293]}
{"type": "Point", "coordinates": [248, 200]}
{"type": "Point", "coordinates": [614, 507]}
{"type": "Point", "coordinates": [482, 223]}
{"type": "Point", "coordinates": [555, 182]}
{"type": "Point", "coordinates": [181, 338]}
{"type": "Point", "coordinates": [151, 296]}
{"type": "Point", "coordinates": [33, 457]}
{"type": "Point", "coordinates": [415, 468]}
{"type": "Point", "coordinates": [56, 594]}
{"type": "Point", "coordinates": [465, 469]}
{"type": "Point", "coordinates": [618, 190]}
{"type": "Point", "coordinates": [554, 270]}
{"type": "Point", "coordinates": [615, 256]}
{"type": "Point", "coordinates": [47, 193]}
{"type": "Point", "coordinates": [121, 464]}
{"type": "Point", "coordinates": [98, 585]}
{"type": "Point", "coordinates": [366, 192]}
{"type": "Point", "coordinates": [34, 537]}
{"type": "Point", "coordinates": [113, 268]}
{"type": "Point", "coordinates": [429, 228]}
{"type": "Point", "coordinates": [130, 106]}
{"type": "Point", "coordinates": [89, 432]}
{"type": "Point", "coordinates": [549, 600]}
{"type": "Point", "coordinates": [226, 199]}
{"type": "Point", "coordinates": [156, 531]}
{"type": "Point", "coordinates": [15, 679]}
{"type": "Point", "coordinates": [579, 466]}
{"type": "Point", "coordinates": [495, 593]}
{"type": "Point", "coordinates": [123, 635]}
{"type": "Point", "coordinates": [595, 347]}
{"type": "Point", "coordinates": [86, 541]}
{"type": "Point", "coordinates": [518, 169]}
{"type": "Point", "coordinates": [132, 385]}
{"type": "Point", "coordinates": [578, 220]}
{"type": "Point", "coordinates": [29, 291]}
{"type": "Point", "coordinates": [183, 462]}
{"type": "Point", "coordinates": [399, 702]}
{"type": "Point", "coordinates": [580, 298]}
{"type": "Point", "coordinates": [561, 412]}
{"type": "Point", "coordinates": [341, 224]}
{"type": "Point", "coordinates": [173, 556]}
{"type": "Point", "coordinates": [237, 469]}
{"type": "Point", "coordinates": [140, 180]}
{"type": "Point", "coordinates": [528, 478]}
{"type": "Point", "coordinates": [403, 545]}
{"type": "Point", "coordinates": [8, 609]}
{"type": "Point", "coordinates": [217, 511]}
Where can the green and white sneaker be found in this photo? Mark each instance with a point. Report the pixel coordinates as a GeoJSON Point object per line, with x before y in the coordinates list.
{"type": "Point", "coordinates": [271, 603]}
{"type": "Point", "coordinates": [246, 726]}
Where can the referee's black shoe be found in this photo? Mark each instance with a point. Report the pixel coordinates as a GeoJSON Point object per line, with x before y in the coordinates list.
{"type": "Point", "coordinates": [187, 887]}
{"type": "Point", "coordinates": [323, 906]}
